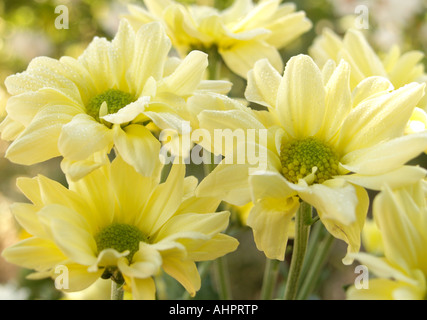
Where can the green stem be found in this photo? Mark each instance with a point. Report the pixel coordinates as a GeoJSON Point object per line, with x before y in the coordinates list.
{"type": "Point", "coordinates": [117, 292]}
{"type": "Point", "coordinates": [270, 277]}
{"type": "Point", "coordinates": [223, 281]}
{"type": "Point", "coordinates": [215, 63]}
{"type": "Point", "coordinates": [310, 281]}
{"type": "Point", "coordinates": [302, 230]}
{"type": "Point", "coordinates": [316, 234]}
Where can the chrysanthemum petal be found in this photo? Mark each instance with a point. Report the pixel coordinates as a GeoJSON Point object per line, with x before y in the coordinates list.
{"type": "Point", "coordinates": [382, 158]}
{"type": "Point", "coordinates": [78, 277]}
{"type": "Point", "coordinates": [185, 272]}
{"type": "Point", "coordinates": [77, 169]}
{"type": "Point", "coordinates": [335, 199]}
{"type": "Point", "coordinates": [338, 101]}
{"type": "Point", "coordinates": [396, 178]}
{"type": "Point", "coordinates": [342, 218]}
{"type": "Point", "coordinates": [242, 57]}
{"type": "Point", "coordinates": [10, 129]}
{"type": "Point", "coordinates": [34, 253]}
{"type": "Point", "coordinates": [206, 223]}
{"type": "Point", "coordinates": [270, 219]}
{"type": "Point", "coordinates": [301, 98]}
{"type": "Point", "coordinates": [406, 250]}
{"type": "Point", "coordinates": [38, 142]}
{"type": "Point", "coordinates": [164, 201]}
{"type": "Point", "coordinates": [142, 289]}
{"type": "Point", "coordinates": [263, 84]}
{"type": "Point", "coordinates": [370, 87]}
{"type": "Point", "coordinates": [82, 137]}
{"type": "Point", "coordinates": [187, 76]}
{"type": "Point", "coordinates": [145, 263]}
{"type": "Point", "coordinates": [132, 194]}
{"type": "Point", "coordinates": [218, 246]}
{"type": "Point", "coordinates": [26, 215]}
{"type": "Point", "coordinates": [151, 50]}
{"type": "Point", "coordinates": [379, 289]}
{"type": "Point", "coordinates": [380, 118]}
{"type": "Point", "coordinates": [70, 232]}
{"type": "Point", "coordinates": [138, 147]}
{"type": "Point", "coordinates": [287, 28]}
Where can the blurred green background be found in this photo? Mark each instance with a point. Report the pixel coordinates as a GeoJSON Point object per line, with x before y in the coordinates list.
{"type": "Point", "coordinates": [27, 30]}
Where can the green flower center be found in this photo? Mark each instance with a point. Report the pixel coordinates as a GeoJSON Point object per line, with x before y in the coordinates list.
{"type": "Point", "coordinates": [298, 158]}
{"type": "Point", "coordinates": [121, 237]}
{"type": "Point", "coordinates": [115, 99]}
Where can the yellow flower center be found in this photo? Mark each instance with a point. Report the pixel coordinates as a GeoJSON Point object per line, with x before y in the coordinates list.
{"type": "Point", "coordinates": [115, 99]}
{"type": "Point", "coordinates": [299, 157]}
{"type": "Point", "coordinates": [121, 237]}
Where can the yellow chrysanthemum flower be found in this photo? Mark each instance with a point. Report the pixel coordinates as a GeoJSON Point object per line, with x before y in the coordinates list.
{"type": "Point", "coordinates": [242, 34]}
{"type": "Point", "coordinates": [115, 223]}
{"type": "Point", "coordinates": [399, 68]}
{"type": "Point", "coordinates": [401, 273]}
{"type": "Point", "coordinates": [81, 108]}
{"type": "Point", "coordinates": [325, 144]}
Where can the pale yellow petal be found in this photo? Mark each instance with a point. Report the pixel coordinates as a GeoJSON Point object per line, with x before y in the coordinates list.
{"type": "Point", "coordinates": [380, 118]}
{"type": "Point", "coordinates": [97, 193]}
{"type": "Point", "coordinates": [219, 185]}
{"type": "Point", "coordinates": [10, 129]}
{"type": "Point", "coordinates": [163, 202]}
{"type": "Point", "coordinates": [30, 188]}
{"type": "Point", "coordinates": [26, 215]}
{"type": "Point", "coordinates": [218, 246]}
{"type": "Point", "coordinates": [335, 199]}
{"type": "Point", "coordinates": [25, 106]}
{"type": "Point", "coordinates": [370, 87]}
{"type": "Point", "coordinates": [350, 232]}
{"type": "Point", "coordinates": [142, 289]}
{"type": "Point", "coordinates": [185, 272]}
{"type": "Point", "coordinates": [382, 158]}
{"type": "Point", "coordinates": [138, 147]}
{"type": "Point", "coordinates": [241, 57]}
{"type": "Point", "coordinates": [270, 219]}
{"type": "Point", "coordinates": [34, 253]}
{"type": "Point", "coordinates": [379, 289]}
{"type": "Point", "coordinates": [263, 84]}
{"type": "Point", "coordinates": [77, 169]}
{"type": "Point", "coordinates": [151, 49]}
{"type": "Point", "coordinates": [394, 217]}
{"type": "Point", "coordinates": [396, 178]}
{"type": "Point", "coordinates": [78, 277]}
{"type": "Point", "coordinates": [43, 72]}
{"type": "Point", "coordinates": [70, 232]}
{"type": "Point", "coordinates": [288, 28]}
{"type": "Point", "coordinates": [364, 56]}
{"type": "Point", "coordinates": [132, 194]}
{"type": "Point", "coordinates": [187, 76]}
{"type": "Point", "coordinates": [97, 60]}
{"type": "Point", "coordinates": [82, 137]}
{"type": "Point", "coordinates": [205, 223]}
{"type": "Point", "coordinates": [338, 101]}
{"type": "Point", "coordinates": [145, 263]}
{"type": "Point", "coordinates": [39, 141]}
{"type": "Point", "coordinates": [301, 98]}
